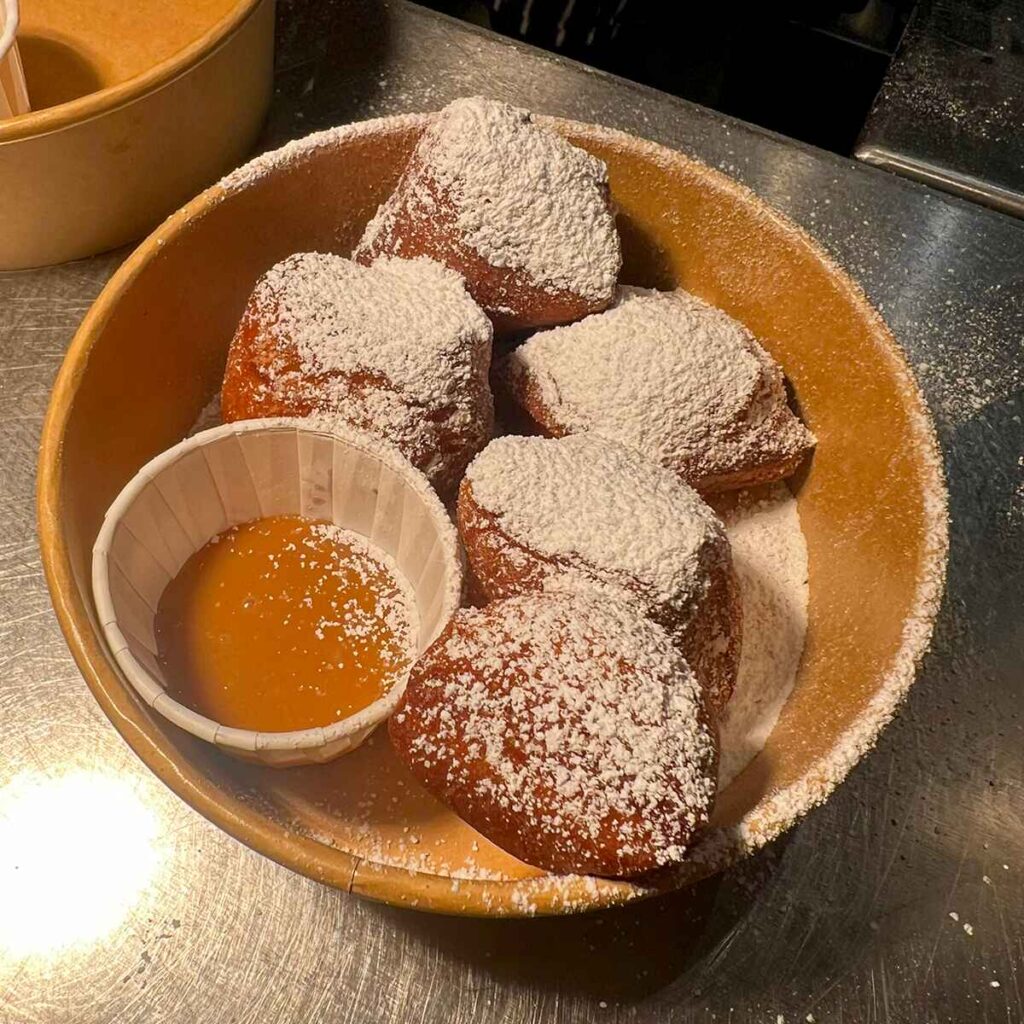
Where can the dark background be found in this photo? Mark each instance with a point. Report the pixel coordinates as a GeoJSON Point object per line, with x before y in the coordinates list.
{"type": "Point", "coordinates": [807, 69]}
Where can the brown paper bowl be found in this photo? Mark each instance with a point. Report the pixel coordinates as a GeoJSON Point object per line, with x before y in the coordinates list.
{"type": "Point", "coordinates": [872, 502]}
{"type": "Point", "coordinates": [135, 106]}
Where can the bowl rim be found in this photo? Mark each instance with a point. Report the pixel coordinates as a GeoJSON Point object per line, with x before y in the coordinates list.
{"type": "Point", "coordinates": [150, 690]}
{"type": "Point", "coordinates": [392, 883]}
{"type": "Point", "coordinates": [95, 104]}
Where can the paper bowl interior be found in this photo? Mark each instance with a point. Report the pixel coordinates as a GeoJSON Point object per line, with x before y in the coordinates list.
{"type": "Point", "coordinates": [83, 56]}
{"type": "Point", "coordinates": [13, 90]}
{"type": "Point", "coordinates": [152, 350]}
{"type": "Point", "coordinates": [234, 474]}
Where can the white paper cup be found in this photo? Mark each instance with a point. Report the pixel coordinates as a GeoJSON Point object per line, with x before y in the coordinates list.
{"type": "Point", "coordinates": [13, 90]}
{"type": "Point", "coordinates": [243, 471]}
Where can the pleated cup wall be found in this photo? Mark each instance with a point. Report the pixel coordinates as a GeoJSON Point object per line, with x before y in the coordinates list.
{"type": "Point", "coordinates": [243, 471]}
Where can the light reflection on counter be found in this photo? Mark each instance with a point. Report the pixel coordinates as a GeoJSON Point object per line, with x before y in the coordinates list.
{"type": "Point", "coordinates": [78, 852]}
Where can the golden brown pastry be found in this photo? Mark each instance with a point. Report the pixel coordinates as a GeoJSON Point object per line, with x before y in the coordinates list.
{"type": "Point", "coordinates": [584, 513]}
{"type": "Point", "coordinates": [398, 349]}
{"type": "Point", "coordinates": [669, 375]}
{"type": "Point", "coordinates": [521, 213]}
{"type": "Point", "coordinates": [567, 729]}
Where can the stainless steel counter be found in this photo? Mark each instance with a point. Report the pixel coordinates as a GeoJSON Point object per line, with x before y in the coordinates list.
{"type": "Point", "coordinates": [950, 112]}
{"type": "Point", "coordinates": [900, 900]}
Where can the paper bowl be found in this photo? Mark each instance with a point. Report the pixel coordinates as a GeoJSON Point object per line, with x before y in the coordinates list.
{"type": "Point", "coordinates": [135, 106]}
{"type": "Point", "coordinates": [234, 474]}
{"type": "Point", "coordinates": [151, 352]}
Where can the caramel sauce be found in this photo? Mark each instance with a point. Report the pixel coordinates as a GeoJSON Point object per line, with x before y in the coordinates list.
{"type": "Point", "coordinates": [284, 623]}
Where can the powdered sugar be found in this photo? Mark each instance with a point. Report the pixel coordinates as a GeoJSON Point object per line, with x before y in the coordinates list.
{"type": "Point", "coordinates": [297, 150]}
{"type": "Point", "coordinates": [554, 495]}
{"type": "Point", "coordinates": [777, 811]}
{"type": "Point", "coordinates": [601, 503]}
{"type": "Point", "coordinates": [411, 321]}
{"type": "Point", "coordinates": [209, 416]}
{"type": "Point", "coordinates": [523, 197]}
{"type": "Point", "coordinates": [770, 558]}
{"type": "Point", "coordinates": [399, 349]}
{"type": "Point", "coordinates": [668, 374]}
{"type": "Point", "coordinates": [575, 717]}
{"type": "Point", "coordinates": [397, 610]}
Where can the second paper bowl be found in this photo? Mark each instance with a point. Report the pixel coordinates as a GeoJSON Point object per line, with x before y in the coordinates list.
{"type": "Point", "coordinates": [243, 471]}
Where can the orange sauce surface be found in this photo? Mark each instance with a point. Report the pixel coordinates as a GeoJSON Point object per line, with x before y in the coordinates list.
{"type": "Point", "coordinates": [284, 623]}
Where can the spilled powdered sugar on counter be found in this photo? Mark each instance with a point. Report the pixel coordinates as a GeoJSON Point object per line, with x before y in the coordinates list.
{"type": "Point", "coordinates": [770, 558]}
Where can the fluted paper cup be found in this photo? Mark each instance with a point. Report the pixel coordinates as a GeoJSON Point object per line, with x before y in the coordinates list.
{"type": "Point", "coordinates": [13, 91]}
{"type": "Point", "coordinates": [243, 471]}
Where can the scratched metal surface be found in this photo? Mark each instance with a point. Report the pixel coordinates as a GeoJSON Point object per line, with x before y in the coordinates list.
{"type": "Point", "coordinates": [119, 903]}
{"type": "Point", "coordinates": [950, 112]}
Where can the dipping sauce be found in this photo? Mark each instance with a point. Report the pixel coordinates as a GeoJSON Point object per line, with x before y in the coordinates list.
{"type": "Point", "coordinates": [285, 623]}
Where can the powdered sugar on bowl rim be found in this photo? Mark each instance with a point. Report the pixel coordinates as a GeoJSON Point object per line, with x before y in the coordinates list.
{"type": "Point", "coordinates": [299, 149]}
